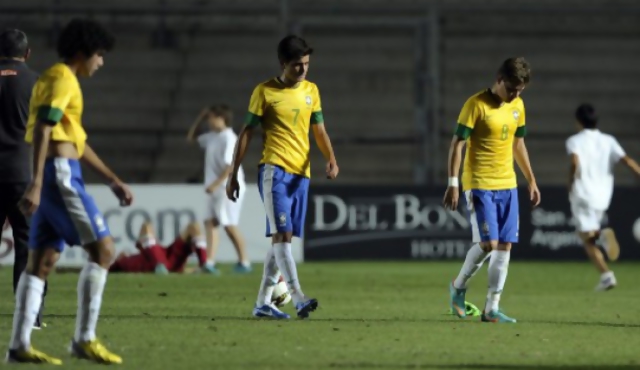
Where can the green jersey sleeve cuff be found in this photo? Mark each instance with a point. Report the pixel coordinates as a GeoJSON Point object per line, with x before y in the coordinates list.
{"type": "Point", "coordinates": [317, 118]}
{"type": "Point", "coordinates": [521, 131]}
{"type": "Point", "coordinates": [252, 119]}
{"type": "Point", "coordinates": [463, 132]}
{"type": "Point", "coordinates": [50, 114]}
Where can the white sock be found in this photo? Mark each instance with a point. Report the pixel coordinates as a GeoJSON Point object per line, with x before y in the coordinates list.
{"type": "Point", "coordinates": [498, 269]}
{"type": "Point", "coordinates": [90, 287]}
{"type": "Point", "coordinates": [475, 258]}
{"type": "Point", "coordinates": [607, 275]}
{"type": "Point", "coordinates": [28, 300]}
{"type": "Point", "coordinates": [148, 241]}
{"type": "Point", "coordinates": [270, 276]}
{"type": "Point", "coordinates": [287, 266]}
{"type": "Point", "coordinates": [211, 263]}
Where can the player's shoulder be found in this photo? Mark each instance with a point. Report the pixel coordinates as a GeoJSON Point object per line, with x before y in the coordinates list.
{"type": "Point", "coordinates": [57, 72]}
{"type": "Point", "coordinates": [480, 98]}
{"type": "Point", "coordinates": [269, 84]}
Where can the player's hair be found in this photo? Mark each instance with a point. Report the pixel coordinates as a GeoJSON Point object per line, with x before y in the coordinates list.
{"type": "Point", "coordinates": [84, 36]}
{"type": "Point", "coordinates": [586, 115]}
{"type": "Point", "coordinates": [223, 111]}
{"type": "Point", "coordinates": [13, 44]}
{"type": "Point", "coordinates": [293, 47]}
{"type": "Point", "coordinates": [516, 71]}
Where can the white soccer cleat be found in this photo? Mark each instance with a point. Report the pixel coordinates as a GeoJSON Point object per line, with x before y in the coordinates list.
{"type": "Point", "coordinates": [607, 282]}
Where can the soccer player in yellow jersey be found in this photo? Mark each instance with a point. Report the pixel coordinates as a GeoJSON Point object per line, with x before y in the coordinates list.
{"type": "Point", "coordinates": [63, 212]}
{"type": "Point", "coordinates": [492, 125]}
{"type": "Point", "coordinates": [286, 107]}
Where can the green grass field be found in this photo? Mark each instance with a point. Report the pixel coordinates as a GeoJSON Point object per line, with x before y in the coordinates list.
{"type": "Point", "coordinates": [372, 316]}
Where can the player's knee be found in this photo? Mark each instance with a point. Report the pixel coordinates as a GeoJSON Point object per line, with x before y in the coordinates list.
{"type": "Point", "coordinates": [41, 262]}
{"type": "Point", "coordinates": [487, 247]}
{"type": "Point", "coordinates": [102, 252]}
{"type": "Point", "coordinates": [212, 222]}
{"type": "Point", "coordinates": [193, 229]}
{"type": "Point", "coordinates": [503, 247]}
{"type": "Point", "coordinates": [281, 238]}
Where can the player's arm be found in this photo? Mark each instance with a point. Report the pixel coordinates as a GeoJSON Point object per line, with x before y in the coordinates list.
{"type": "Point", "coordinates": [228, 161]}
{"type": "Point", "coordinates": [54, 100]}
{"type": "Point", "coordinates": [469, 115]}
{"type": "Point", "coordinates": [631, 164]}
{"type": "Point", "coordinates": [522, 159]}
{"type": "Point", "coordinates": [521, 155]}
{"type": "Point", "coordinates": [41, 139]}
{"type": "Point", "coordinates": [252, 121]}
{"type": "Point", "coordinates": [324, 144]}
{"type": "Point", "coordinates": [322, 137]}
{"type": "Point", "coordinates": [191, 134]}
{"type": "Point", "coordinates": [619, 155]}
{"type": "Point", "coordinates": [91, 159]}
{"type": "Point", "coordinates": [573, 169]}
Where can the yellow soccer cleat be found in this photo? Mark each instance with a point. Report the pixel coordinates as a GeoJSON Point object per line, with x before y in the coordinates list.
{"type": "Point", "coordinates": [94, 351]}
{"type": "Point", "coordinates": [31, 356]}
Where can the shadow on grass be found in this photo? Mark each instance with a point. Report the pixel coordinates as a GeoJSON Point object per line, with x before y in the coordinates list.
{"type": "Point", "coordinates": [474, 321]}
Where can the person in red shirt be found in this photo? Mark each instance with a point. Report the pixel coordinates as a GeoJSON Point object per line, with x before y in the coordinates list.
{"type": "Point", "coordinates": [154, 257]}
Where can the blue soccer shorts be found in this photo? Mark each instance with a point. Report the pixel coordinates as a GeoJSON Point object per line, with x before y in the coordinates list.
{"type": "Point", "coordinates": [285, 199]}
{"type": "Point", "coordinates": [494, 215]}
{"type": "Point", "coordinates": [67, 214]}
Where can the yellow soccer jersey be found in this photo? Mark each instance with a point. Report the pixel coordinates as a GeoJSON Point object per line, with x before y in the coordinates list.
{"type": "Point", "coordinates": [57, 99]}
{"type": "Point", "coordinates": [286, 114]}
{"type": "Point", "coordinates": [490, 127]}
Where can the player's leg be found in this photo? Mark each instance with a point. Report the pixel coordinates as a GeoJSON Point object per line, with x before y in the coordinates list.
{"type": "Point", "coordinates": [148, 245]}
{"type": "Point", "coordinates": [211, 225]}
{"type": "Point", "coordinates": [508, 223]}
{"type": "Point", "coordinates": [42, 258]}
{"type": "Point", "coordinates": [479, 205]}
{"type": "Point", "coordinates": [229, 219]}
{"type": "Point", "coordinates": [587, 223]}
{"type": "Point", "coordinates": [20, 227]}
{"type": "Point", "coordinates": [136, 263]}
{"type": "Point", "coordinates": [299, 186]}
{"type": "Point", "coordinates": [81, 223]}
{"type": "Point", "coordinates": [198, 243]}
{"type": "Point", "coordinates": [276, 201]}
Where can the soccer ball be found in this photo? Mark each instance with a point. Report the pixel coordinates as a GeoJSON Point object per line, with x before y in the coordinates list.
{"type": "Point", "coordinates": [280, 296]}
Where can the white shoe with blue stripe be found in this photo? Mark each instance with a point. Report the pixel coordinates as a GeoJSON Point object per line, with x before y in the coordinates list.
{"type": "Point", "coordinates": [269, 310]}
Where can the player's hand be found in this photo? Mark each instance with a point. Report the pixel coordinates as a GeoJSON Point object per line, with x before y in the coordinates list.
{"type": "Point", "coordinates": [534, 194]}
{"type": "Point", "coordinates": [122, 192]}
{"type": "Point", "coordinates": [210, 189]}
{"type": "Point", "coordinates": [31, 199]}
{"type": "Point", "coordinates": [332, 170]}
{"type": "Point", "coordinates": [233, 188]}
{"type": "Point", "coordinates": [451, 197]}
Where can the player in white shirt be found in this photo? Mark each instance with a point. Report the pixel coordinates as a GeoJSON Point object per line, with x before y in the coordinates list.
{"type": "Point", "coordinates": [218, 144]}
{"type": "Point", "coordinates": [593, 155]}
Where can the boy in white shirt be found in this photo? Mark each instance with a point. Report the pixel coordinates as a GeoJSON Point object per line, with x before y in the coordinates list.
{"type": "Point", "coordinates": [218, 144]}
{"type": "Point", "coordinates": [593, 155]}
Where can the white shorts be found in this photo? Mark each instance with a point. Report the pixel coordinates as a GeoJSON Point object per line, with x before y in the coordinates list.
{"type": "Point", "coordinates": [586, 218]}
{"type": "Point", "coordinates": [221, 208]}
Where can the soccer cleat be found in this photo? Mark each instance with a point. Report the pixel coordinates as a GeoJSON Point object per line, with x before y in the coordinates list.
{"type": "Point", "coordinates": [610, 244]}
{"type": "Point", "coordinates": [31, 356]}
{"type": "Point", "coordinates": [94, 351]}
{"type": "Point", "coordinates": [269, 310]}
{"type": "Point", "coordinates": [39, 326]}
{"type": "Point", "coordinates": [306, 307]}
{"type": "Point", "coordinates": [497, 316]}
{"type": "Point", "coordinates": [458, 301]}
{"type": "Point", "coordinates": [161, 269]}
{"type": "Point", "coordinates": [239, 268]}
{"type": "Point", "coordinates": [211, 270]}
{"type": "Point", "coordinates": [606, 284]}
